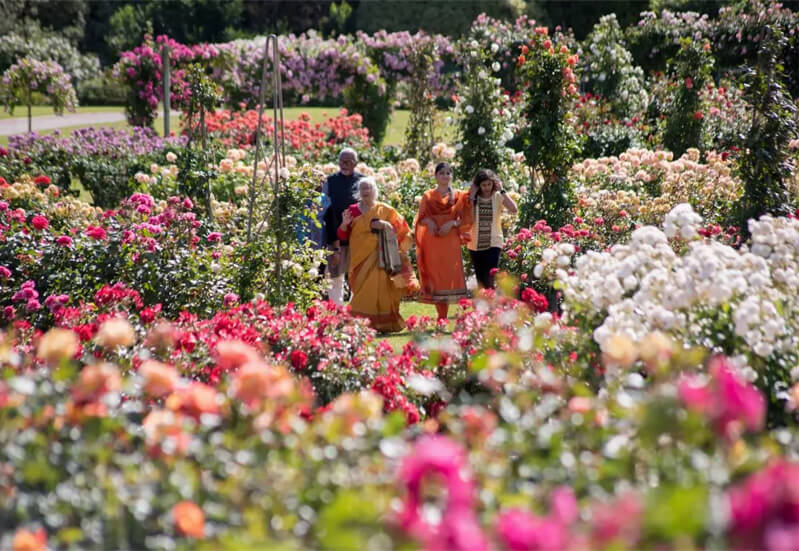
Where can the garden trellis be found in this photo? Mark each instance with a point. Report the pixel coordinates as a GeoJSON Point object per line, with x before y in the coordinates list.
{"type": "Point", "coordinates": [279, 158]}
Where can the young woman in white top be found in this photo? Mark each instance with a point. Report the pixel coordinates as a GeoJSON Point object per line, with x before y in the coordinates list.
{"type": "Point", "coordinates": [488, 199]}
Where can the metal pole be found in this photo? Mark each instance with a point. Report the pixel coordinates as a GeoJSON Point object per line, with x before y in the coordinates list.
{"type": "Point", "coordinates": [277, 105]}
{"type": "Point", "coordinates": [166, 69]}
{"type": "Point", "coordinates": [257, 142]}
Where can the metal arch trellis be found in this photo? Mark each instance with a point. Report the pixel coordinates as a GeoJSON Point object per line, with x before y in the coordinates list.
{"type": "Point", "coordinates": [279, 158]}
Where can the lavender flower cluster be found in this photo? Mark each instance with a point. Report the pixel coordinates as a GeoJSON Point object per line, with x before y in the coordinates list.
{"type": "Point", "coordinates": [110, 142]}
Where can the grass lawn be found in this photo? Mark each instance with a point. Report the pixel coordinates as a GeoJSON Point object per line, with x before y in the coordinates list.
{"type": "Point", "coordinates": [407, 309]}
{"type": "Point", "coordinates": [395, 133]}
{"type": "Point", "coordinates": [41, 110]}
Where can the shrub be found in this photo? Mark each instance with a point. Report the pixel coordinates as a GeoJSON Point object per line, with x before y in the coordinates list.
{"type": "Point", "coordinates": [550, 142]}
{"type": "Point", "coordinates": [690, 71]}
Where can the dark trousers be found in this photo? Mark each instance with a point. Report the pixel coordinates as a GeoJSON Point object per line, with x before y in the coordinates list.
{"type": "Point", "coordinates": [483, 262]}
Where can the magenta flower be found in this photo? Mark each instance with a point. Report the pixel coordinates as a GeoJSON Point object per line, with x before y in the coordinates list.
{"type": "Point", "coordinates": [764, 509]}
{"type": "Point", "coordinates": [214, 236]}
{"type": "Point", "coordinates": [5, 273]}
{"type": "Point", "coordinates": [96, 232]}
{"type": "Point", "coordinates": [33, 305]}
{"type": "Point", "coordinates": [520, 530]}
{"type": "Point", "coordinates": [39, 222]}
{"type": "Point", "coordinates": [459, 528]}
{"type": "Point", "coordinates": [64, 240]}
{"type": "Point", "coordinates": [730, 403]}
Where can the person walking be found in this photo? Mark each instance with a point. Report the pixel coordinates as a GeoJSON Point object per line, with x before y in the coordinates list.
{"type": "Point", "coordinates": [488, 199]}
{"type": "Point", "coordinates": [441, 227]}
{"type": "Point", "coordinates": [380, 273]}
{"type": "Point", "coordinates": [341, 188]}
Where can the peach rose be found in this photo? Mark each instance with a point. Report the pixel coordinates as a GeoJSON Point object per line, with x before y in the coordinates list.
{"type": "Point", "coordinates": [189, 519]}
{"type": "Point", "coordinates": [115, 332]}
{"type": "Point", "coordinates": [58, 344]}
{"type": "Point", "coordinates": [94, 381]}
{"type": "Point", "coordinates": [25, 540]}
{"type": "Point", "coordinates": [160, 379]}
{"type": "Point", "coordinates": [234, 353]}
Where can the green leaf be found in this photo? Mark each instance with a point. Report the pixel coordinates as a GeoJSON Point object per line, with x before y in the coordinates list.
{"type": "Point", "coordinates": [674, 512]}
{"type": "Point", "coordinates": [347, 522]}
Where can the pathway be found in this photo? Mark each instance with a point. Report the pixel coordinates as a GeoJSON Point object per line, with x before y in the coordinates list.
{"type": "Point", "coordinates": [19, 125]}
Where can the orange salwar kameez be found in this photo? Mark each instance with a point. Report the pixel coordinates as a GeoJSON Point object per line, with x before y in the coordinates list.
{"type": "Point", "coordinates": [439, 257]}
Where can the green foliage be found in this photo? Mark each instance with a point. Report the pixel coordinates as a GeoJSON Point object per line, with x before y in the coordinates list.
{"type": "Point", "coordinates": [109, 180]}
{"type": "Point", "coordinates": [484, 122]}
{"type": "Point", "coordinates": [690, 71]}
{"type": "Point", "coordinates": [766, 165]}
{"type": "Point", "coordinates": [278, 264]}
{"type": "Point", "coordinates": [371, 97]}
{"type": "Point", "coordinates": [449, 18]}
{"type": "Point", "coordinates": [550, 143]}
{"type": "Point", "coordinates": [420, 132]}
{"type": "Point", "coordinates": [128, 25]}
{"type": "Point", "coordinates": [101, 90]}
{"type": "Point", "coordinates": [609, 70]}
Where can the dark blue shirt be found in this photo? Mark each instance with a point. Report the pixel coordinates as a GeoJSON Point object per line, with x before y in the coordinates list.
{"type": "Point", "coordinates": [342, 191]}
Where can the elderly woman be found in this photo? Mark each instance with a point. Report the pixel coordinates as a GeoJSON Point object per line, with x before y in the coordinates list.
{"type": "Point", "coordinates": [380, 272]}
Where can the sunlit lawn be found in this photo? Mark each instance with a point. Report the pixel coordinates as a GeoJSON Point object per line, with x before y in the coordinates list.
{"type": "Point", "coordinates": [408, 309]}
{"type": "Point", "coordinates": [395, 133]}
{"type": "Point", "coordinates": [41, 110]}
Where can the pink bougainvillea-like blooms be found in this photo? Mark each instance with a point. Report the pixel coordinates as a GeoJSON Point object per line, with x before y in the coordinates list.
{"type": "Point", "coordinates": [520, 530]}
{"type": "Point", "coordinates": [618, 521]}
{"type": "Point", "coordinates": [764, 509]}
{"type": "Point", "coordinates": [730, 403]}
{"type": "Point", "coordinates": [459, 529]}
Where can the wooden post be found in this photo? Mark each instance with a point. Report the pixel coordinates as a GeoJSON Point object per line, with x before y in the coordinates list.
{"type": "Point", "coordinates": [166, 69]}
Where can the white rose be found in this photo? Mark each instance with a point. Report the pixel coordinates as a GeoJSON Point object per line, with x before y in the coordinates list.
{"type": "Point", "coordinates": [469, 109]}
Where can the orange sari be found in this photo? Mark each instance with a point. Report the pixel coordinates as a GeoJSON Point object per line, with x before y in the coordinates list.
{"type": "Point", "coordinates": [439, 257]}
{"type": "Point", "coordinates": [376, 295]}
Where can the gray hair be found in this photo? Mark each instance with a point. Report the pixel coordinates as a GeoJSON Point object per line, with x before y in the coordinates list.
{"type": "Point", "coordinates": [372, 184]}
{"type": "Point", "coordinates": [350, 151]}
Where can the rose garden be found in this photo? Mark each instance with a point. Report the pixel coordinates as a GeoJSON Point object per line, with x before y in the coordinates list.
{"type": "Point", "coordinates": [171, 378]}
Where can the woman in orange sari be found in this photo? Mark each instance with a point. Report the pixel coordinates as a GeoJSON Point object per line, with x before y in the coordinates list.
{"type": "Point", "coordinates": [380, 272]}
{"type": "Point", "coordinates": [442, 225]}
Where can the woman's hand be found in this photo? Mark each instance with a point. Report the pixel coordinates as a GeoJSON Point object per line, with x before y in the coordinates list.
{"type": "Point", "coordinates": [446, 227]}
{"type": "Point", "coordinates": [347, 217]}
{"type": "Point", "coordinates": [431, 225]}
{"type": "Point", "coordinates": [381, 225]}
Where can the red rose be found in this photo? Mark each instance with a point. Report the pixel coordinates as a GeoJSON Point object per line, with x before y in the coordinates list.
{"type": "Point", "coordinates": [41, 179]}
{"type": "Point", "coordinates": [299, 359]}
{"type": "Point", "coordinates": [39, 222]}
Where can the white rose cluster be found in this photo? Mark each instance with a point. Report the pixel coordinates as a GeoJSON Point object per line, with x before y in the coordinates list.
{"type": "Point", "coordinates": [645, 285]}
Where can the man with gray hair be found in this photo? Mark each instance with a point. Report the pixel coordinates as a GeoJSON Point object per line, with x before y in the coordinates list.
{"type": "Point", "coordinates": [342, 189]}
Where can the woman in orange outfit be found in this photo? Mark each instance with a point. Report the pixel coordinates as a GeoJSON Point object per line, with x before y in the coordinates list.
{"type": "Point", "coordinates": [442, 225]}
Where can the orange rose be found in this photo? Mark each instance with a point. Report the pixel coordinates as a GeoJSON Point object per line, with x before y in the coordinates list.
{"type": "Point", "coordinates": [195, 399]}
{"type": "Point", "coordinates": [189, 519]}
{"type": "Point", "coordinates": [160, 425]}
{"type": "Point", "coordinates": [94, 381]}
{"type": "Point", "coordinates": [160, 379]}
{"type": "Point", "coordinates": [56, 344]}
{"type": "Point", "coordinates": [233, 354]}
{"type": "Point", "coordinates": [25, 540]}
